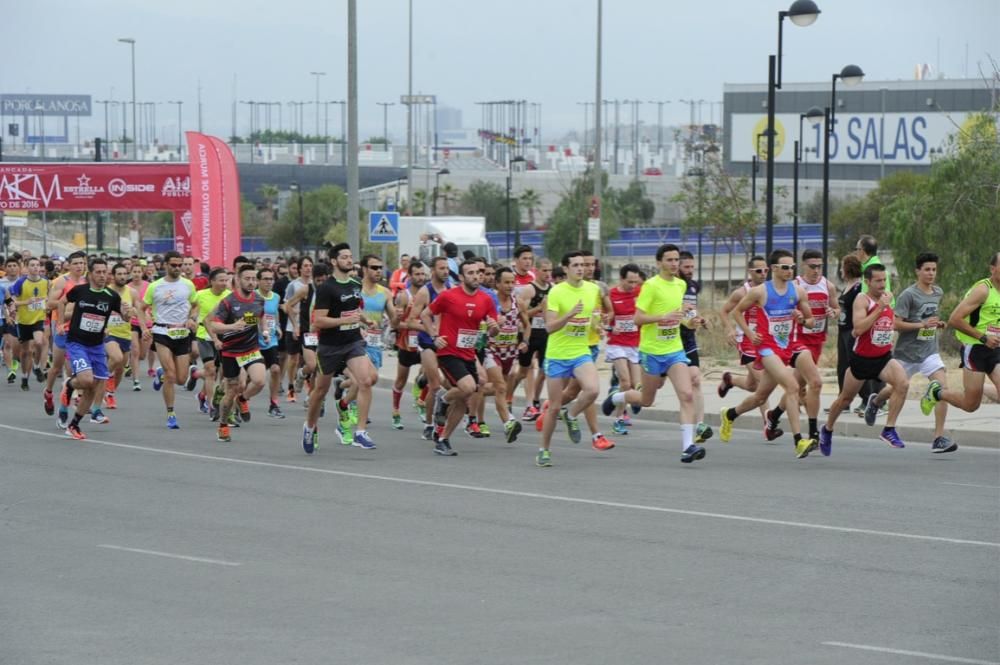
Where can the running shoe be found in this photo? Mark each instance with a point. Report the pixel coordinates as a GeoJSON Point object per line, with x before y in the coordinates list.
{"type": "Point", "coordinates": [39, 375]}
{"type": "Point", "coordinates": [234, 420]}
{"type": "Point", "coordinates": [443, 447]}
{"type": "Point", "coordinates": [244, 405]}
{"type": "Point", "coordinates": [871, 410]}
{"type": "Point", "coordinates": [300, 379]}
{"type": "Point", "coordinates": [943, 444]}
{"type": "Point", "coordinates": [291, 395]}
{"type": "Point", "coordinates": [24, 384]}
{"type": "Point", "coordinates": [352, 411]}
{"type": "Point", "coordinates": [172, 422]}
{"type": "Point", "coordinates": [62, 420]}
{"type": "Point", "coordinates": [213, 413]}
{"type": "Point", "coordinates": [64, 396]}
{"type": "Point", "coordinates": [607, 406]}
{"type": "Point", "coordinates": [636, 408]}
{"type": "Point", "coordinates": [202, 402]}
{"type": "Point", "coordinates": [511, 429]}
{"type": "Point", "coordinates": [310, 439]}
{"type": "Point", "coordinates": [363, 441]}
{"type": "Point", "coordinates": [344, 435]}
{"type": "Point", "coordinates": [531, 413]}
{"type": "Point", "coordinates": [158, 379]}
{"type": "Point", "coordinates": [11, 376]}
{"type": "Point", "coordinates": [438, 433]}
{"type": "Point", "coordinates": [136, 386]}
{"type": "Point", "coordinates": [344, 419]}
{"type": "Point", "coordinates": [726, 384]}
{"type": "Point", "coordinates": [275, 412]}
{"type": "Point", "coordinates": [150, 372]}
{"type": "Point", "coordinates": [128, 371]}
{"type": "Point", "coordinates": [397, 421]}
{"type": "Point", "coordinates": [97, 416]}
{"type": "Point", "coordinates": [484, 429]}
{"type": "Point", "coordinates": [110, 401]}
{"type": "Point", "coordinates": [929, 399]}
{"type": "Point", "coordinates": [191, 381]}
{"type": "Point", "coordinates": [825, 441]}
{"type": "Point", "coordinates": [692, 453]}
{"type": "Point", "coordinates": [421, 410]}
{"type": "Point", "coordinates": [573, 428]}
{"type": "Point", "coordinates": [428, 433]}
{"type": "Point", "coordinates": [223, 434]}
{"type": "Point", "coordinates": [440, 408]}
{"type": "Point", "coordinates": [472, 429]}
{"type": "Point", "coordinates": [770, 432]}
{"type": "Point", "coordinates": [601, 443]}
{"type": "Point", "coordinates": [889, 436]}
{"type": "Point", "coordinates": [804, 447]}
{"type": "Point", "coordinates": [703, 433]}
{"type": "Point", "coordinates": [726, 431]}
{"type": "Point", "coordinates": [540, 421]}
{"type": "Point", "coordinates": [48, 403]}
{"type": "Point", "coordinates": [619, 427]}
{"type": "Point", "coordinates": [544, 458]}
{"type": "Point", "coordinates": [73, 431]}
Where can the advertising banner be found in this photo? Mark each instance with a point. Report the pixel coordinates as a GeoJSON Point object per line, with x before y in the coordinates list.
{"type": "Point", "coordinates": [83, 186]}
{"type": "Point", "coordinates": [215, 200]}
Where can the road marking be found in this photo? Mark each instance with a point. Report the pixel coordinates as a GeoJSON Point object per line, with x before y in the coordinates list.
{"type": "Point", "coordinates": [524, 495]}
{"type": "Point", "coordinates": [917, 654]}
{"type": "Point", "coordinates": [182, 557]}
{"type": "Point", "coordinates": [991, 487]}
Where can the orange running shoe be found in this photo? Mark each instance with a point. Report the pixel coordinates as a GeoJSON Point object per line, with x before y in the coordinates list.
{"type": "Point", "coordinates": [110, 401]}
{"type": "Point", "coordinates": [540, 421]}
{"type": "Point", "coordinates": [601, 442]}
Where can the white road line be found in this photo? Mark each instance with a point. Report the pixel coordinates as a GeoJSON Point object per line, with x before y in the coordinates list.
{"type": "Point", "coordinates": [916, 654]}
{"type": "Point", "coordinates": [520, 494]}
{"type": "Point", "coordinates": [182, 557]}
{"type": "Point", "coordinates": [991, 487]}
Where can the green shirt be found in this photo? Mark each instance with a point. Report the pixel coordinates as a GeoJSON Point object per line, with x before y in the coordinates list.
{"type": "Point", "coordinates": [571, 341]}
{"type": "Point", "coordinates": [658, 297]}
{"type": "Point", "coordinates": [986, 317]}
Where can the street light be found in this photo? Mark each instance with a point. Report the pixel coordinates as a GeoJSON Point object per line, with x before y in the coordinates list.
{"type": "Point", "coordinates": [317, 75]}
{"type": "Point", "coordinates": [851, 75]}
{"type": "Point", "coordinates": [814, 115]}
{"type": "Point", "coordinates": [802, 13]}
{"type": "Point", "coordinates": [131, 43]}
{"type": "Point", "coordinates": [385, 121]}
{"type": "Point", "coordinates": [180, 149]}
{"type": "Point", "coordinates": [510, 177]}
{"type": "Point", "coordinates": [437, 179]}
{"type": "Point", "coordinates": [302, 220]}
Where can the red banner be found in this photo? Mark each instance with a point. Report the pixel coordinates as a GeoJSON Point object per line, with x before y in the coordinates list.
{"type": "Point", "coordinates": [95, 186]}
{"type": "Point", "coordinates": [215, 200]}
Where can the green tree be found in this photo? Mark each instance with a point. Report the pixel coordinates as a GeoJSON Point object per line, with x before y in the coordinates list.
{"type": "Point", "coordinates": [567, 225]}
{"type": "Point", "coordinates": [634, 207]}
{"type": "Point", "coordinates": [270, 195]}
{"type": "Point", "coordinates": [531, 200]}
{"type": "Point", "coordinates": [489, 200]}
{"type": "Point", "coordinates": [322, 210]}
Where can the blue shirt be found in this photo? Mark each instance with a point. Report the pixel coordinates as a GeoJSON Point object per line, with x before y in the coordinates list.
{"type": "Point", "coordinates": [270, 320]}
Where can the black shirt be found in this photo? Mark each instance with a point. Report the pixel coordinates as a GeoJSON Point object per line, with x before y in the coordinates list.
{"type": "Point", "coordinates": [91, 310]}
{"type": "Point", "coordinates": [340, 299]}
{"type": "Point", "coordinates": [280, 285]}
{"type": "Point", "coordinates": [846, 301]}
{"type": "Point", "coordinates": [690, 296]}
{"type": "Point", "coordinates": [234, 308]}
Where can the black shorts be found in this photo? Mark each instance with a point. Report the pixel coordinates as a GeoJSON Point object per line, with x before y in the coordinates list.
{"type": "Point", "coordinates": [10, 328]}
{"type": "Point", "coordinates": [980, 358]}
{"type": "Point", "coordinates": [137, 330]}
{"type": "Point", "coordinates": [333, 359]}
{"type": "Point", "coordinates": [536, 346]}
{"type": "Point", "coordinates": [293, 346]}
{"type": "Point", "coordinates": [231, 366]}
{"type": "Point", "coordinates": [746, 360]}
{"type": "Point", "coordinates": [26, 331]}
{"type": "Point", "coordinates": [455, 369]}
{"type": "Point", "coordinates": [426, 346]}
{"type": "Point", "coordinates": [271, 358]}
{"type": "Point", "coordinates": [177, 347]}
{"type": "Point", "coordinates": [693, 360]}
{"type": "Point", "coordinates": [866, 369]}
{"type": "Point", "coordinates": [481, 355]}
{"type": "Point", "coordinates": [408, 358]}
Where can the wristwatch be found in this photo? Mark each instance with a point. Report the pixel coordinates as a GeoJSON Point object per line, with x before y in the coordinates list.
{"type": "Point", "coordinates": [982, 339]}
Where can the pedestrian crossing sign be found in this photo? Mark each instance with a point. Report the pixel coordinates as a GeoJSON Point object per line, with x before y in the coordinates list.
{"type": "Point", "coordinates": [383, 227]}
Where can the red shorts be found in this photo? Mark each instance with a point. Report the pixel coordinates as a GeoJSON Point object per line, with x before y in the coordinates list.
{"type": "Point", "coordinates": [815, 346]}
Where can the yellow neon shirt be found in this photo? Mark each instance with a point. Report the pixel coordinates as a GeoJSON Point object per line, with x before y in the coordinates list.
{"type": "Point", "coordinates": [572, 340]}
{"type": "Point", "coordinates": [659, 297]}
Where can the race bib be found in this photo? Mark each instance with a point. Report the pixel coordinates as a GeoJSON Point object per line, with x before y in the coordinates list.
{"type": "Point", "coordinates": [538, 322]}
{"type": "Point", "coordinates": [310, 339]}
{"type": "Point", "coordinates": [412, 340]}
{"type": "Point", "coordinates": [882, 334]}
{"type": "Point", "coordinates": [577, 326]}
{"type": "Point", "coordinates": [248, 358]}
{"type": "Point", "coordinates": [270, 322]}
{"type": "Point", "coordinates": [178, 333]}
{"type": "Point", "coordinates": [506, 337]}
{"type": "Point", "coordinates": [926, 334]}
{"type": "Point", "coordinates": [115, 320]}
{"type": "Point", "coordinates": [350, 326]}
{"type": "Point", "coordinates": [666, 333]}
{"type": "Point", "coordinates": [92, 323]}
{"type": "Point", "coordinates": [780, 328]}
{"type": "Point", "coordinates": [36, 304]}
{"type": "Point", "coordinates": [818, 328]}
{"type": "Point", "coordinates": [373, 338]}
{"type": "Point", "coordinates": [467, 338]}
{"type": "Point", "coordinates": [625, 324]}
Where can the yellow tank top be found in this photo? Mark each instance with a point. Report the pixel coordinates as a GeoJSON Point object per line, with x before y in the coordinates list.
{"type": "Point", "coordinates": [117, 326]}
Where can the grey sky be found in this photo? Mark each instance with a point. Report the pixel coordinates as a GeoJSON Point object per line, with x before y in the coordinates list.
{"type": "Point", "coordinates": [539, 50]}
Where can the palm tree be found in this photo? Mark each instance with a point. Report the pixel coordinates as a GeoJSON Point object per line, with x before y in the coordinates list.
{"type": "Point", "coordinates": [531, 200]}
{"type": "Point", "coordinates": [419, 205]}
{"type": "Point", "coordinates": [448, 195]}
{"type": "Point", "coordinates": [270, 194]}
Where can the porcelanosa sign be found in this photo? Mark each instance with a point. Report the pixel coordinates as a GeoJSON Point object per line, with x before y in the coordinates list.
{"type": "Point", "coordinates": [858, 138]}
{"type": "Point", "coordinates": [45, 105]}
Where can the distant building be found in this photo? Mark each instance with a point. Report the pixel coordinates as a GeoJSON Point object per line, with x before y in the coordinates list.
{"type": "Point", "coordinates": [448, 118]}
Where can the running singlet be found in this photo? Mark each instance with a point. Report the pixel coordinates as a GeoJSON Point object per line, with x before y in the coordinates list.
{"type": "Point", "coordinates": [691, 290]}
{"type": "Point", "coordinates": [270, 320]}
{"type": "Point", "coordinates": [171, 303]}
{"type": "Point", "coordinates": [594, 334]}
{"type": "Point", "coordinates": [141, 290]}
{"type": "Point", "coordinates": [459, 316]}
{"type": "Point", "coordinates": [571, 341]}
{"type": "Point", "coordinates": [374, 311]}
{"type": "Point", "coordinates": [658, 297]}
{"type": "Point", "coordinates": [406, 340]}
{"type": "Point", "coordinates": [776, 319]}
{"type": "Point", "coordinates": [35, 292]}
{"type": "Point", "coordinates": [819, 300]}
{"type": "Point", "coordinates": [750, 316]}
{"type": "Point", "coordinates": [91, 312]}
{"type": "Point", "coordinates": [538, 319]}
{"type": "Point", "coordinates": [986, 317]}
{"type": "Point", "coordinates": [117, 325]}
{"type": "Point", "coordinates": [243, 342]}
{"type": "Point", "coordinates": [207, 303]}
{"type": "Point", "coordinates": [340, 299]}
{"type": "Point", "coordinates": [877, 341]}
{"type": "Point", "coordinates": [68, 285]}
{"type": "Point", "coordinates": [423, 337]}
{"type": "Point", "coordinates": [624, 332]}
{"type": "Point", "coordinates": [294, 287]}
{"type": "Point", "coordinates": [504, 344]}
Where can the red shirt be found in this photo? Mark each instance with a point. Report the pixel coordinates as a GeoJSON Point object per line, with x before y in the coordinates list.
{"type": "Point", "coordinates": [525, 279]}
{"type": "Point", "coordinates": [200, 282]}
{"type": "Point", "coordinates": [624, 332]}
{"type": "Point", "coordinates": [878, 340]}
{"type": "Point", "coordinates": [459, 316]}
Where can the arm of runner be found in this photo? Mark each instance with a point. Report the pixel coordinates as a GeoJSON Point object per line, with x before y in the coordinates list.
{"type": "Point", "coordinates": [806, 315]}
{"type": "Point", "coordinates": [390, 310]}
{"type": "Point", "coordinates": [55, 292]}
{"type": "Point", "coordinates": [416, 320]}
{"type": "Point", "coordinates": [727, 308]}
{"type": "Point", "coordinates": [554, 322]}
{"type": "Point", "coordinates": [833, 309]}
{"type": "Point", "coordinates": [752, 297]}
{"type": "Point", "coordinates": [864, 320]}
{"type": "Point", "coordinates": [975, 299]}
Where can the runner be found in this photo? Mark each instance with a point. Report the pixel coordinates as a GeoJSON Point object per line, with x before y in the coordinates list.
{"type": "Point", "coordinates": [207, 301]}
{"type": "Point", "coordinates": [118, 344]}
{"type": "Point", "coordinates": [60, 287]}
{"type": "Point", "coordinates": [408, 351]}
{"type": "Point", "coordinates": [976, 321]}
{"type": "Point", "coordinates": [533, 304]}
{"type": "Point", "coordinates": [301, 304]}
{"type": "Point", "coordinates": [302, 271]}
{"type": "Point", "coordinates": [660, 311]}
{"type": "Point", "coordinates": [757, 271]}
{"type": "Point", "coordinates": [871, 359]}
{"type": "Point", "coordinates": [568, 316]}
{"type": "Point", "coordinates": [338, 318]}
{"type": "Point", "coordinates": [702, 432]}
{"type": "Point", "coordinates": [237, 322]}
{"type": "Point", "coordinates": [87, 309]}
{"type": "Point", "coordinates": [622, 351]}
{"type": "Point", "coordinates": [30, 293]}
{"type": "Point", "coordinates": [428, 351]}
{"type": "Point", "coordinates": [850, 272]}
{"type": "Point", "coordinates": [503, 348]}
{"type": "Point", "coordinates": [169, 299]}
{"type": "Point", "coordinates": [8, 334]}
{"type": "Point", "coordinates": [142, 340]}
{"type": "Point", "coordinates": [458, 312]}
{"type": "Point", "coordinates": [780, 304]}
{"type": "Point", "coordinates": [378, 308]}
{"type": "Point", "coordinates": [270, 343]}
{"type": "Point", "coordinates": [524, 262]}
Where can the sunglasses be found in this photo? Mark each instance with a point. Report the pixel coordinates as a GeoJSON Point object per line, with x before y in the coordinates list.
{"type": "Point", "coordinates": [814, 266]}
{"type": "Point", "coordinates": [376, 267]}
{"type": "Point", "coordinates": [759, 271]}
{"type": "Point", "coordinates": [784, 266]}
{"type": "Point", "coordinates": [175, 265]}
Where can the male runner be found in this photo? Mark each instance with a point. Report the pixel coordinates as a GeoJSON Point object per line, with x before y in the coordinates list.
{"type": "Point", "coordinates": [871, 359]}
{"type": "Point", "coordinates": [524, 261]}
{"type": "Point", "coordinates": [207, 301]}
{"type": "Point", "coordinates": [11, 346]}
{"type": "Point", "coordinates": [502, 349]}
{"type": "Point", "coordinates": [118, 344]}
{"type": "Point", "coordinates": [301, 269]}
{"type": "Point", "coordinates": [408, 351]}
{"type": "Point", "coordinates": [702, 431]}
{"type": "Point", "coordinates": [533, 305]}
{"type": "Point", "coordinates": [428, 350]}
{"type": "Point", "coordinates": [270, 343]}
{"type": "Point", "coordinates": [622, 351]}
{"type": "Point", "coordinates": [378, 307]}
{"type": "Point", "coordinates": [757, 271]}
{"type": "Point", "coordinates": [61, 286]}
{"type": "Point", "coordinates": [30, 293]}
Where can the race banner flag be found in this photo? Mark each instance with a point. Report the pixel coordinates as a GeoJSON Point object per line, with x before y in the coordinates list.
{"type": "Point", "coordinates": [215, 200]}
{"type": "Point", "coordinates": [84, 186]}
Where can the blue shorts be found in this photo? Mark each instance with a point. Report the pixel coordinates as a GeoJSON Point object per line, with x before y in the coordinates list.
{"type": "Point", "coordinates": [375, 355]}
{"type": "Point", "coordinates": [595, 351]}
{"type": "Point", "coordinates": [124, 344]}
{"type": "Point", "coordinates": [657, 365]}
{"type": "Point", "coordinates": [83, 358]}
{"type": "Point", "coordinates": [59, 341]}
{"type": "Point", "coordinates": [563, 369]}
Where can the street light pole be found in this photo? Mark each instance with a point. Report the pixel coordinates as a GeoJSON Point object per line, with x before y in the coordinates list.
{"type": "Point", "coordinates": [517, 231]}
{"type": "Point", "coordinates": [597, 123]}
{"type": "Point", "coordinates": [851, 75]}
{"type": "Point", "coordinates": [317, 75]}
{"type": "Point", "coordinates": [302, 220]}
{"type": "Point", "coordinates": [385, 121]}
{"type": "Point", "coordinates": [180, 149]}
{"type": "Point", "coordinates": [131, 43]}
{"type": "Point", "coordinates": [813, 114]}
{"type": "Point", "coordinates": [437, 180]}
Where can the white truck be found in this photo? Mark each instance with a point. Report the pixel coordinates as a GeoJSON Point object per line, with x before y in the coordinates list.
{"type": "Point", "coordinates": [424, 236]}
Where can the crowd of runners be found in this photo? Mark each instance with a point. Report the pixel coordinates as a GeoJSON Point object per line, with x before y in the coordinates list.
{"type": "Point", "coordinates": [467, 334]}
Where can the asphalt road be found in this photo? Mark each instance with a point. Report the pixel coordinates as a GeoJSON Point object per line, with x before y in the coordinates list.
{"type": "Point", "coordinates": [143, 545]}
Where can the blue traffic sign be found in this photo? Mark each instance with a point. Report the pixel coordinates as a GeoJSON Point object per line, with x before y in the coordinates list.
{"type": "Point", "coordinates": [383, 227]}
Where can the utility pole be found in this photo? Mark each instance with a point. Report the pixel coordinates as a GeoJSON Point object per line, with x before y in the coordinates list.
{"type": "Point", "coordinates": [353, 203]}
{"type": "Point", "coordinates": [385, 121]}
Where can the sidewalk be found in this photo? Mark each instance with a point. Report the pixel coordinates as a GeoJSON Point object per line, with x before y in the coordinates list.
{"type": "Point", "coordinates": [981, 429]}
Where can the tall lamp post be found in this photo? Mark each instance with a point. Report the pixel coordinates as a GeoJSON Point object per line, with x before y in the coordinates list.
{"type": "Point", "coordinates": [302, 219]}
{"type": "Point", "coordinates": [850, 75]}
{"type": "Point", "coordinates": [815, 114]}
{"type": "Point", "coordinates": [510, 177]}
{"type": "Point", "coordinates": [180, 148]}
{"type": "Point", "coordinates": [802, 13]}
{"type": "Point", "coordinates": [317, 75]}
{"type": "Point", "coordinates": [385, 121]}
{"type": "Point", "coordinates": [437, 181]}
{"type": "Point", "coordinates": [131, 43]}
